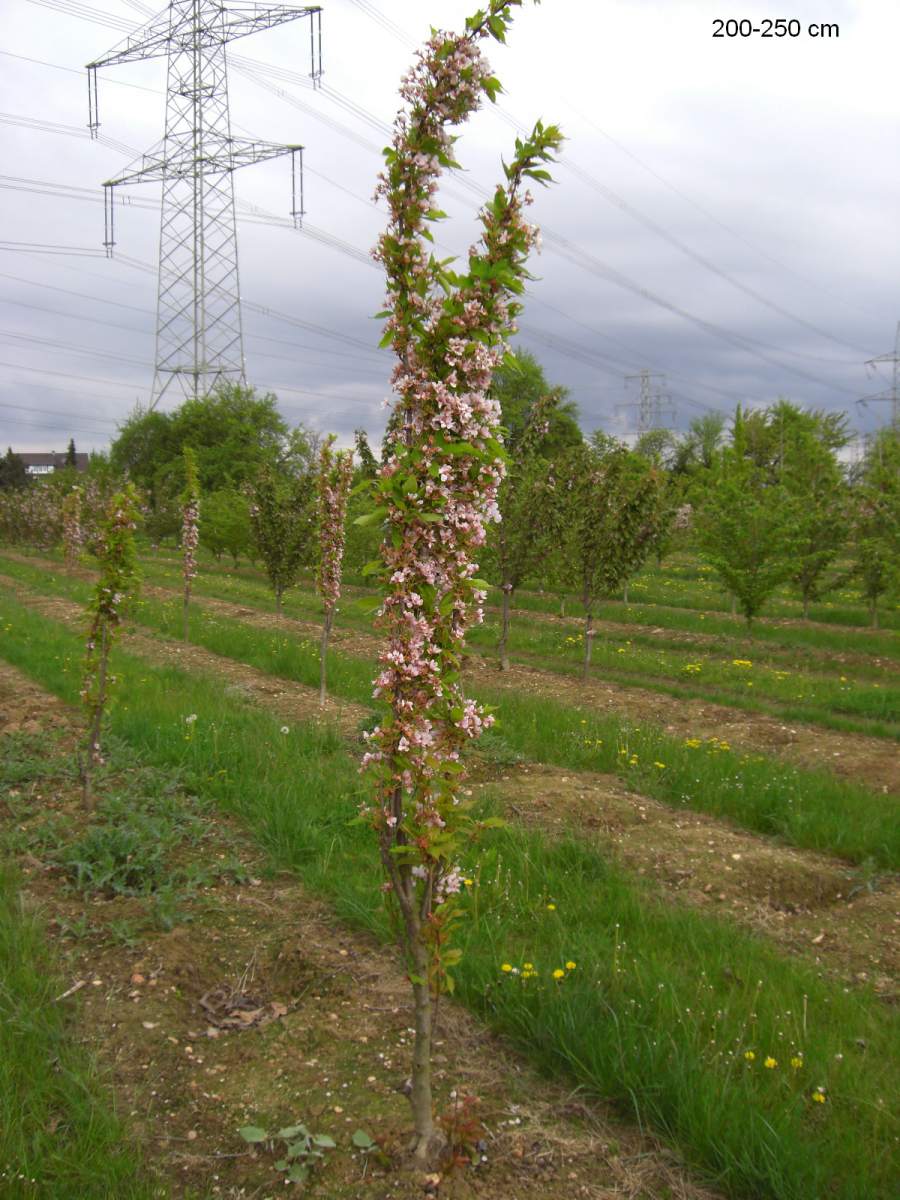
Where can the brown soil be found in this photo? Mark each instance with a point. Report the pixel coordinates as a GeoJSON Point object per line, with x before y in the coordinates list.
{"type": "Point", "coordinates": [260, 1008]}
{"type": "Point", "coordinates": [806, 902]}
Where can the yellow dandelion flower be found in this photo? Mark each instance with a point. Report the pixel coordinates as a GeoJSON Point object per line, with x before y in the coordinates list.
{"type": "Point", "coordinates": [570, 966]}
{"type": "Point", "coordinates": [741, 662]}
{"type": "Point", "coordinates": [662, 766]}
{"type": "Point", "coordinates": [507, 967]}
{"type": "Point", "coordinates": [771, 1063]}
{"type": "Point", "coordinates": [559, 973]}
{"type": "Point", "coordinates": [468, 882]}
{"type": "Point", "coordinates": [797, 1062]}
{"type": "Point", "coordinates": [749, 1055]}
{"type": "Point", "coordinates": [819, 1095]}
{"type": "Point", "coordinates": [527, 966]}
{"type": "Point", "coordinates": [551, 908]}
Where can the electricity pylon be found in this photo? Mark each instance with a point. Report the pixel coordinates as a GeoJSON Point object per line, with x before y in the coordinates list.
{"type": "Point", "coordinates": [650, 402]}
{"type": "Point", "coordinates": [199, 338]}
{"type": "Point", "coordinates": [890, 394]}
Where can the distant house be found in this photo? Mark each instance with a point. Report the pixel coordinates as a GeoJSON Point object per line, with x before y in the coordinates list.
{"type": "Point", "coordinates": [47, 463]}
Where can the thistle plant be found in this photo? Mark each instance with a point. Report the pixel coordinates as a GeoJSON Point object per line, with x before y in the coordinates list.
{"type": "Point", "coordinates": [118, 582]}
{"type": "Point", "coordinates": [436, 490]}
{"type": "Point", "coordinates": [190, 530]}
{"type": "Point", "coordinates": [332, 493]}
{"type": "Point", "coordinates": [73, 533]}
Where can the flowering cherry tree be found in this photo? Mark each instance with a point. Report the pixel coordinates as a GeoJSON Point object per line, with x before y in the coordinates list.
{"type": "Point", "coordinates": [190, 530]}
{"type": "Point", "coordinates": [436, 491]}
{"type": "Point", "coordinates": [332, 492]}
{"type": "Point", "coordinates": [72, 531]}
{"type": "Point", "coordinates": [115, 551]}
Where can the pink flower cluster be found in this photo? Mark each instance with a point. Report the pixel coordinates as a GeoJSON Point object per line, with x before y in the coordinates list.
{"type": "Point", "coordinates": [190, 537]}
{"type": "Point", "coordinates": [73, 534]}
{"type": "Point", "coordinates": [335, 479]}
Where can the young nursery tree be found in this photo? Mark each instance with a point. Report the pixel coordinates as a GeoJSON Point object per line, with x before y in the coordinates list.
{"type": "Point", "coordinates": [747, 526]}
{"type": "Point", "coordinates": [435, 491]}
{"type": "Point", "coordinates": [875, 521]}
{"type": "Point", "coordinates": [525, 533]}
{"type": "Point", "coordinates": [190, 530]}
{"type": "Point", "coordinates": [614, 505]}
{"type": "Point", "coordinates": [73, 533]}
{"type": "Point", "coordinates": [118, 582]}
{"type": "Point", "coordinates": [282, 519]}
{"type": "Point", "coordinates": [225, 524]}
{"type": "Point", "coordinates": [333, 490]}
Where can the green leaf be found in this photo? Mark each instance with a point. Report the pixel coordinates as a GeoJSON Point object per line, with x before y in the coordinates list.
{"type": "Point", "coordinates": [253, 1133]}
{"type": "Point", "coordinates": [281, 1164]}
{"type": "Point", "coordinates": [291, 1131]}
{"type": "Point", "coordinates": [326, 1142]}
{"type": "Point", "coordinates": [299, 1173]}
{"type": "Point", "coordinates": [362, 1140]}
{"type": "Point", "coordinates": [417, 979]}
{"type": "Point", "coordinates": [367, 604]}
{"type": "Point", "coordinates": [370, 518]}
{"type": "Point", "coordinates": [373, 567]}
{"type": "Point", "coordinates": [430, 517]}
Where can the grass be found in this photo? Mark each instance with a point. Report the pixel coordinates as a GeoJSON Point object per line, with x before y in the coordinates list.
{"type": "Point", "coordinates": [810, 809]}
{"type": "Point", "coordinates": [59, 1135]}
{"type": "Point", "coordinates": [663, 1004]}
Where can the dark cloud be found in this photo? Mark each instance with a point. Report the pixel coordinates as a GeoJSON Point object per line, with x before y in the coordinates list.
{"type": "Point", "coordinates": [774, 162]}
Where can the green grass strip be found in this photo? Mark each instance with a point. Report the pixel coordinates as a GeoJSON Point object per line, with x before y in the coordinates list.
{"type": "Point", "coordinates": [59, 1135]}
{"type": "Point", "coordinates": [800, 693]}
{"type": "Point", "coordinates": [807, 808]}
{"type": "Point", "coordinates": [664, 1003]}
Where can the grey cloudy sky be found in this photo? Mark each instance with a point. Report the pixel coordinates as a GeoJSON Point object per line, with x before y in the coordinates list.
{"type": "Point", "coordinates": [725, 210]}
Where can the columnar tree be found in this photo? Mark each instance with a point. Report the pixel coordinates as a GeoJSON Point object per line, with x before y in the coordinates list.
{"type": "Point", "coordinates": [282, 521]}
{"type": "Point", "coordinates": [875, 521]}
{"type": "Point", "coordinates": [436, 490]}
{"type": "Point", "coordinates": [190, 530]}
{"type": "Point", "coordinates": [333, 490]}
{"type": "Point", "coordinates": [613, 505]}
{"type": "Point", "coordinates": [525, 533]}
{"type": "Point", "coordinates": [73, 533]}
{"type": "Point", "coordinates": [118, 582]}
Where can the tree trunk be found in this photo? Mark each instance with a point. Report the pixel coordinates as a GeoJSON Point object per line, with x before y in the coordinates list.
{"type": "Point", "coordinates": [562, 607]}
{"type": "Point", "coordinates": [873, 612]}
{"type": "Point", "coordinates": [504, 627]}
{"type": "Point", "coordinates": [805, 607]}
{"type": "Point", "coordinates": [92, 757]}
{"type": "Point", "coordinates": [323, 651]}
{"type": "Point", "coordinates": [588, 643]}
{"type": "Point", "coordinates": [734, 606]}
{"type": "Point", "coordinates": [625, 594]}
{"type": "Point", "coordinates": [187, 605]}
{"type": "Point", "coordinates": [278, 595]}
{"type": "Point", "coordinates": [420, 1097]}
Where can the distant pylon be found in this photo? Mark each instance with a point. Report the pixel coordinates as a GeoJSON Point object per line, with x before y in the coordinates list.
{"type": "Point", "coordinates": [651, 401]}
{"type": "Point", "coordinates": [890, 394]}
{"type": "Point", "coordinates": [199, 338]}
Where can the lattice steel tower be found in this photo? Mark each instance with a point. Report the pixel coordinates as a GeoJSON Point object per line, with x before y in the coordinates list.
{"type": "Point", "coordinates": [199, 340]}
{"type": "Point", "coordinates": [890, 394]}
{"type": "Point", "coordinates": [651, 402]}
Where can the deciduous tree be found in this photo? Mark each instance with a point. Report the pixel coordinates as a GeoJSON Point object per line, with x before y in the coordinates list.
{"type": "Point", "coordinates": [436, 490]}
{"type": "Point", "coordinates": [282, 520]}
{"type": "Point", "coordinates": [335, 477]}
{"type": "Point", "coordinates": [613, 506]}
{"type": "Point", "coordinates": [117, 584]}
